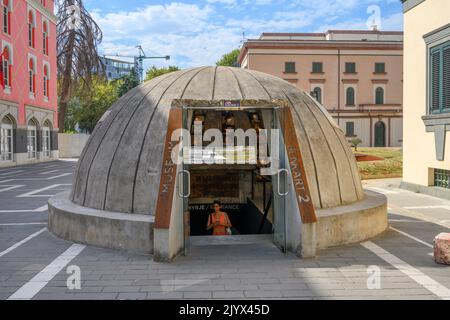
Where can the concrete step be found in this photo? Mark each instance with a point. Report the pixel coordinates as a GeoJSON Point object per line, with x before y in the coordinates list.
{"type": "Point", "coordinates": [230, 240]}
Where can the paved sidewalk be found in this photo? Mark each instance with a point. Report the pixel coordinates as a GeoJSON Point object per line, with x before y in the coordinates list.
{"type": "Point", "coordinates": [403, 256]}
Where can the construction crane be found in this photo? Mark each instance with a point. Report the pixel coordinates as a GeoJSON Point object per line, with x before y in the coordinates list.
{"type": "Point", "coordinates": [139, 62]}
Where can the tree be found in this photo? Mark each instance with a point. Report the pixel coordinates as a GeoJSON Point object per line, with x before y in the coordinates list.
{"type": "Point", "coordinates": [127, 83]}
{"type": "Point", "coordinates": [355, 143]}
{"type": "Point", "coordinates": [74, 107]}
{"type": "Point", "coordinates": [229, 59]}
{"type": "Point", "coordinates": [77, 39]}
{"type": "Point", "coordinates": [154, 72]}
{"type": "Point", "coordinates": [91, 108]}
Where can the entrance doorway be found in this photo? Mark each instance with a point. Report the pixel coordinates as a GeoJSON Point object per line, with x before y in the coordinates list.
{"type": "Point", "coordinates": [380, 134]}
{"type": "Point", "coordinates": [229, 156]}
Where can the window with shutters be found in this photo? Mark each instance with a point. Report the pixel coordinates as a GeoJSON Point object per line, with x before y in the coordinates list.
{"type": "Point", "coordinates": [317, 94]}
{"type": "Point", "coordinates": [350, 67]}
{"type": "Point", "coordinates": [32, 77]}
{"type": "Point", "coordinates": [317, 67]}
{"type": "Point", "coordinates": [379, 95]}
{"type": "Point", "coordinates": [6, 8]}
{"type": "Point", "coordinates": [380, 67]}
{"type": "Point", "coordinates": [289, 67]}
{"type": "Point", "coordinates": [45, 38]}
{"type": "Point", "coordinates": [7, 67]}
{"type": "Point", "coordinates": [31, 29]}
{"type": "Point", "coordinates": [350, 129]}
{"type": "Point", "coordinates": [440, 78]}
{"type": "Point", "coordinates": [350, 96]}
{"type": "Point", "coordinates": [46, 82]}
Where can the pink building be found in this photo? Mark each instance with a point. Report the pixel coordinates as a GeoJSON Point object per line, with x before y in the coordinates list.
{"type": "Point", "coordinates": [356, 75]}
{"type": "Point", "coordinates": [28, 100]}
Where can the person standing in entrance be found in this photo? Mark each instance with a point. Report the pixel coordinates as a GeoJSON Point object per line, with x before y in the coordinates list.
{"type": "Point", "coordinates": [219, 221]}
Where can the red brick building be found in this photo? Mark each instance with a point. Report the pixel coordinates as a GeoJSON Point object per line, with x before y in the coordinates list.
{"type": "Point", "coordinates": [28, 99]}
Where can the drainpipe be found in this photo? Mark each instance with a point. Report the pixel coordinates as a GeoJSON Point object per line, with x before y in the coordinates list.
{"type": "Point", "coordinates": [339, 86]}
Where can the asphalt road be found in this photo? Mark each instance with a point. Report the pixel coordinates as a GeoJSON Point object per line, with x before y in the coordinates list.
{"type": "Point", "coordinates": [37, 265]}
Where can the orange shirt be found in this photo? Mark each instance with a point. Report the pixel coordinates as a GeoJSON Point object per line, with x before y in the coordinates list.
{"type": "Point", "coordinates": [224, 222]}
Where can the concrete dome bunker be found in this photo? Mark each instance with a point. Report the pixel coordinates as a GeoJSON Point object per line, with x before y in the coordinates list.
{"type": "Point", "coordinates": [117, 198]}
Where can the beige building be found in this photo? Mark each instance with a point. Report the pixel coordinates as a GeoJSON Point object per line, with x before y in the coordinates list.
{"type": "Point", "coordinates": [427, 96]}
{"type": "Point", "coordinates": [356, 75]}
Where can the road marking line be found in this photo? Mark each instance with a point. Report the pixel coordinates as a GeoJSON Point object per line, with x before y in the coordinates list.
{"type": "Point", "coordinates": [23, 224]}
{"type": "Point", "coordinates": [406, 220]}
{"type": "Point", "coordinates": [48, 172]}
{"type": "Point", "coordinates": [383, 191]}
{"type": "Point", "coordinates": [417, 215]}
{"type": "Point", "coordinates": [415, 274]}
{"type": "Point", "coordinates": [412, 237]}
{"type": "Point", "coordinates": [37, 179]}
{"type": "Point", "coordinates": [428, 207]}
{"type": "Point", "coordinates": [40, 209]}
{"type": "Point", "coordinates": [60, 176]}
{"type": "Point", "coordinates": [49, 166]}
{"type": "Point", "coordinates": [11, 172]}
{"type": "Point", "coordinates": [39, 281]}
{"type": "Point", "coordinates": [32, 194]}
{"type": "Point", "coordinates": [9, 188]}
{"type": "Point", "coordinates": [18, 244]}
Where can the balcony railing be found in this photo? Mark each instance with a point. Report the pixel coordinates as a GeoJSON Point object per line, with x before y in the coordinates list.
{"type": "Point", "coordinates": [366, 107]}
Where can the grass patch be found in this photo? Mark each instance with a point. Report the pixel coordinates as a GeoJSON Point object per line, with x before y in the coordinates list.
{"type": "Point", "coordinates": [390, 167]}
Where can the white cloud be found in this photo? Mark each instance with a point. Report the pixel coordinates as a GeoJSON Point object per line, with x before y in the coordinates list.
{"type": "Point", "coordinates": [226, 2]}
{"type": "Point", "coordinates": [199, 33]}
{"type": "Point", "coordinates": [392, 22]}
{"type": "Point", "coordinates": [177, 29]}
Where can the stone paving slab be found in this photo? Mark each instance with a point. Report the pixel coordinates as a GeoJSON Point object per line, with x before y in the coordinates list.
{"type": "Point", "coordinates": [255, 271]}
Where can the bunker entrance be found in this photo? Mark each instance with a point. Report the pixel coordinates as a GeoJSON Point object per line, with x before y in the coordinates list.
{"type": "Point", "coordinates": [245, 196]}
{"type": "Point", "coordinates": [230, 159]}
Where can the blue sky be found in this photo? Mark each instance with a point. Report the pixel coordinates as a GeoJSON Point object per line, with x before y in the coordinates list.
{"type": "Point", "coordinates": [198, 32]}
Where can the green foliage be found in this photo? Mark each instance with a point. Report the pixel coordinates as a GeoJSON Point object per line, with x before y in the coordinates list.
{"type": "Point", "coordinates": [70, 132]}
{"type": "Point", "coordinates": [127, 83]}
{"type": "Point", "coordinates": [355, 142]}
{"type": "Point", "coordinates": [154, 72]}
{"type": "Point", "coordinates": [87, 107]}
{"type": "Point", "coordinates": [229, 59]}
{"type": "Point", "coordinates": [73, 108]}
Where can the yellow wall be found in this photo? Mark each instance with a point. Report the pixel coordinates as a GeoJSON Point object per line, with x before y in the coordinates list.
{"type": "Point", "coordinates": [419, 146]}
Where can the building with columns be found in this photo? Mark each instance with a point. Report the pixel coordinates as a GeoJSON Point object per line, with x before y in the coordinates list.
{"type": "Point", "coordinates": [426, 155]}
{"type": "Point", "coordinates": [356, 75]}
{"type": "Point", "coordinates": [28, 99]}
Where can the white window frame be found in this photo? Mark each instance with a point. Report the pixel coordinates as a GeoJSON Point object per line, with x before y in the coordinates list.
{"type": "Point", "coordinates": [10, 9]}
{"type": "Point", "coordinates": [32, 142]}
{"type": "Point", "coordinates": [44, 43]}
{"type": "Point", "coordinates": [32, 94]}
{"type": "Point", "coordinates": [46, 142]}
{"type": "Point", "coordinates": [45, 87]}
{"type": "Point", "coordinates": [33, 25]}
{"type": "Point", "coordinates": [6, 44]}
{"type": "Point", "coordinates": [6, 142]}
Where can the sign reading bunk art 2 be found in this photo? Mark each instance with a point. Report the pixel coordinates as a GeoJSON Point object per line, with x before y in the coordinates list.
{"type": "Point", "coordinates": [297, 167]}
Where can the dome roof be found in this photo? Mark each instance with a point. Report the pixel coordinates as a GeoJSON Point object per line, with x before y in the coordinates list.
{"type": "Point", "coordinates": [119, 169]}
